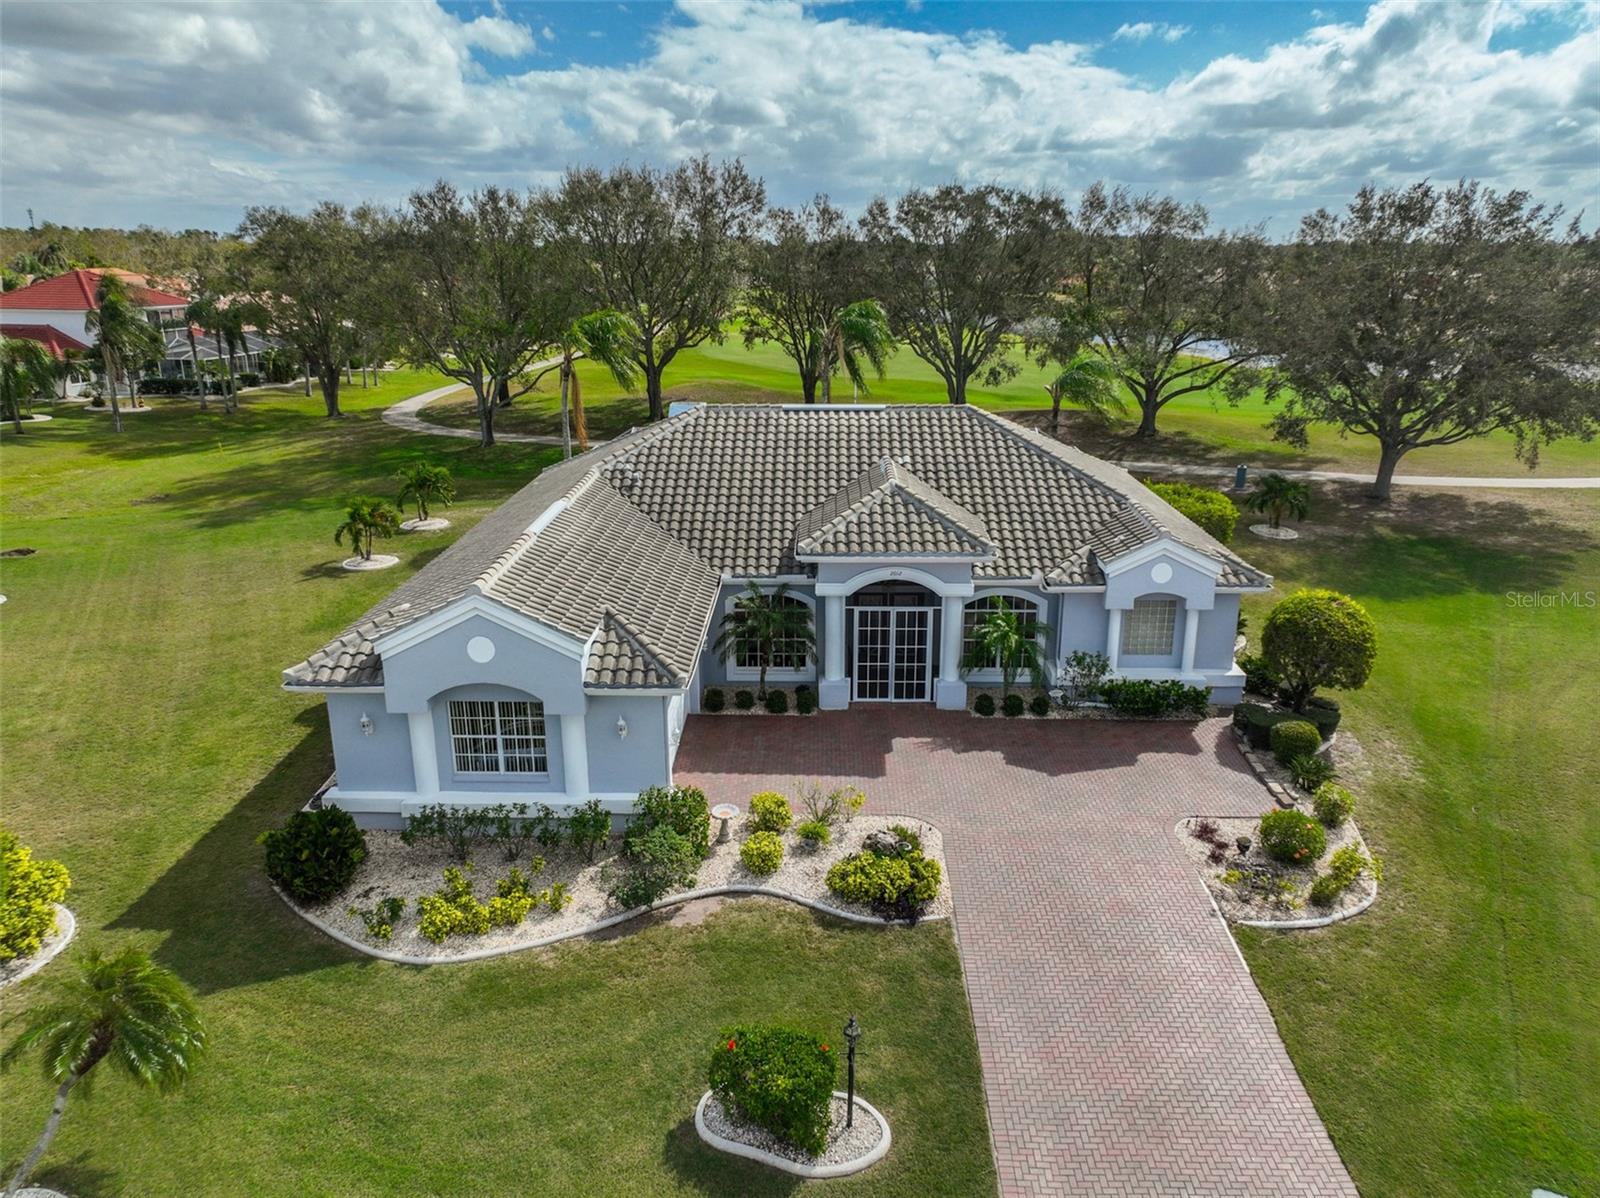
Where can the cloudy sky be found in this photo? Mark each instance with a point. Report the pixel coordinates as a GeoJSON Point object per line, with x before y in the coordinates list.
{"type": "Point", "coordinates": [179, 114]}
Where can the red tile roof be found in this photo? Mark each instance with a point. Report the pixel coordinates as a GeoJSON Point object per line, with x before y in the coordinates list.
{"type": "Point", "coordinates": [47, 335]}
{"type": "Point", "coordinates": [75, 292]}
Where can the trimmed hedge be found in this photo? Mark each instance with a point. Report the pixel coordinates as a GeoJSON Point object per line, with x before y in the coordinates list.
{"type": "Point", "coordinates": [805, 699]}
{"type": "Point", "coordinates": [779, 1078]}
{"type": "Point", "coordinates": [1013, 705]}
{"type": "Point", "coordinates": [1257, 722]}
{"type": "Point", "coordinates": [984, 705]}
{"type": "Point", "coordinates": [1211, 510]}
{"type": "Point", "coordinates": [1039, 705]}
{"type": "Point", "coordinates": [315, 854]}
{"type": "Point", "coordinates": [1149, 697]}
{"type": "Point", "coordinates": [28, 890]}
{"type": "Point", "coordinates": [1292, 836]}
{"type": "Point", "coordinates": [762, 852]}
{"type": "Point", "coordinates": [713, 700]}
{"type": "Point", "coordinates": [1324, 713]}
{"type": "Point", "coordinates": [777, 702]}
{"type": "Point", "coordinates": [744, 700]}
{"type": "Point", "coordinates": [1293, 738]}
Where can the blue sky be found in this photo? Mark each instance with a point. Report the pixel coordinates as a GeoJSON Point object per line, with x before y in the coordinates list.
{"type": "Point", "coordinates": [1261, 110]}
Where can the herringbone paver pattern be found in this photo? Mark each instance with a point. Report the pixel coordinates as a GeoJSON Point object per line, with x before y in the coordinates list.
{"type": "Point", "coordinates": [1126, 1050]}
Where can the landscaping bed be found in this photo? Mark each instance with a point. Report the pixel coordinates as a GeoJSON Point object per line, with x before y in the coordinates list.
{"type": "Point", "coordinates": [848, 1149]}
{"type": "Point", "coordinates": [1058, 711]}
{"type": "Point", "coordinates": [393, 869]}
{"type": "Point", "coordinates": [1252, 887]}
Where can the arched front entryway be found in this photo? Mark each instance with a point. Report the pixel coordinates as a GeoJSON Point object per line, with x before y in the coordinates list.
{"type": "Point", "coordinates": [893, 642]}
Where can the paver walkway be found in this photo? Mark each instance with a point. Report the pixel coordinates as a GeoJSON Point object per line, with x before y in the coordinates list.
{"type": "Point", "coordinates": [1126, 1050]}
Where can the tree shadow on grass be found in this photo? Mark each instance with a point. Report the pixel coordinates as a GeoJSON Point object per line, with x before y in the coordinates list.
{"type": "Point", "coordinates": [224, 924]}
{"type": "Point", "coordinates": [78, 1176]}
{"type": "Point", "coordinates": [708, 1171]}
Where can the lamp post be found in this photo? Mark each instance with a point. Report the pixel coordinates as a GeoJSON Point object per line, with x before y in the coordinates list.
{"type": "Point", "coordinates": [852, 1033]}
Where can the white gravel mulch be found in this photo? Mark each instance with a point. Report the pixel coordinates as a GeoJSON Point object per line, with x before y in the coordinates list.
{"type": "Point", "coordinates": [21, 967]}
{"type": "Point", "coordinates": [393, 868]}
{"type": "Point", "coordinates": [845, 1144]}
{"type": "Point", "coordinates": [1238, 905]}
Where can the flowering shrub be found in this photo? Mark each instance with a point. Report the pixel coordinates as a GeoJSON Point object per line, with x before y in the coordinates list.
{"type": "Point", "coordinates": [315, 854]}
{"type": "Point", "coordinates": [779, 1078]}
{"type": "Point", "coordinates": [28, 890]}
{"type": "Point", "coordinates": [1292, 836]}
{"type": "Point", "coordinates": [762, 853]}
{"type": "Point", "coordinates": [769, 812]}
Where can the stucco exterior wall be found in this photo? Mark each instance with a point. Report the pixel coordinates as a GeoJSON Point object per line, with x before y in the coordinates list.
{"type": "Point", "coordinates": [380, 762]}
{"type": "Point", "coordinates": [1219, 628]}
{"type": "Point", "coordinates": [414, 675]}
{"type": "Point", "coordinates": [626, 765]}
{"type": "Point", "coordinates": [551, 782]}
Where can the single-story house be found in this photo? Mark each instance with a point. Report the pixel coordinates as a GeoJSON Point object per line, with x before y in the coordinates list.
{"type": "Point", "coordinates": [554, 651]}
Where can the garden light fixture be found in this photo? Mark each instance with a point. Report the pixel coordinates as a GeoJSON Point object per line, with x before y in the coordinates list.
{"type": "Point", "coordinates": [367, 726]}
{"type": "Point", "coordinates": [622, 728]}
{"type": "Point", "coordinates": [852, 1033]}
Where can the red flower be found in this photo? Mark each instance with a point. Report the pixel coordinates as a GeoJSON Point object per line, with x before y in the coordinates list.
{"type": "Point", "coordinates": [731, 1045]}
{"type": "Point", "coordinates": [824, 1048]}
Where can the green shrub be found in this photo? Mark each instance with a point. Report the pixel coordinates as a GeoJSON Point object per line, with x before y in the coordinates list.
{"type": "Point", "coordinates": [908, 836]}
{"type": "Point", "coordinates": [453, 911]}
{"type": "Point", "coordinates": [1322, 712]}
{"type": "Point", "coordinates": [1292, 836]}
{"type": "Point", "coordinates": [29, 888]}
{"type": "Point", "coordinates": [451, 825]}
{"type": "Point", "coordinates": [548, 831]}
{"type": "Point", "coordinates": [1332, 804]}
{"type": "Point", "coordinates": [984, 704]}
{"type": "Point", "coordinates": [1259, 677]}
{"type": "Point", "coordinates": [805, 699]}
{"type": "Point", "coordinates": [1083, 673]}
{"type": "Point", "coordinates": [769, 812]}
{"type": "Point", "coordinates": [556, 897]}
{"type": "Point", "coordinates": [510, 828]}
{"type": "Point", "coordinates": [762, 852]}
{"type": "Point", "coordinates": [713, 700]}
{"type": "Point", "coordinates": [315, 854]}
{"type": "Point", "coordinates": [1149, 697]}
{"type": "Point", "coordinates": [777, 702]}
{"type": "Point", "coordinates": [1211, 510]}
{"type": "Point", "coordinates": [1344, 867]}
{"type": "Point", "coordinates": [1039, 704]}
{"type": "Point", "coordinates": [1013, 705]}
{"type": "Point", "coordinates": [379, 918]}
{"type": "Point", "coordinates": [814, 832]}
{"type": "Point", "coordinates": [744, 700]}
{"type": "Point", "coordinates": [681, 808]}
{"type": "Point", "coordinates": [1293, 738]}
{"type": "Point", "coordinates": [1257, 722]}
{"type": "Point", "coordinates": [656, 862]}
{"type": "Point", "coordinates": [897, 886]}
{"type": "Point", "coordinates": [589, 828]}
{"type": "Point", "coordinates": [1319, 638]}
{"type": "Point", "coordinates": [778, 1078]}
{"type": "Point", "coordinates": [1309, 771]}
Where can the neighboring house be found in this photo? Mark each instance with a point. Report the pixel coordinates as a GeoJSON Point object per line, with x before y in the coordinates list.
{"type": "Point", "coordinates": [58, 344]}
{"type": "Point", "coordinates": [552, 653]}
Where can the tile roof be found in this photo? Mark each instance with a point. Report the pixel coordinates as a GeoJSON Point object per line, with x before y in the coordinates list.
{"type": "Point", "coordinates": [631, 560]}
{"type": "Point", "coordinates": [47, 335]}
{"type": "Point", "coordinates": [887, 510]}
{"type": "Point", "coordinates": [75, 291]}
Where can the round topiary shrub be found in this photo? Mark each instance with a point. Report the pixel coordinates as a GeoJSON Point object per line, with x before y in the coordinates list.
{"type": "Point", "coordinates": [805, 699]}
{"type": "Point", "coordinates": [1293, 738]}
{"type": "Point", "coordinates": [1319, 638]}
{"type": "Point", "coordinates": [713, 700]}
{"type": "Point", "coordinates": [1332, 804]}
{"type": "Point", "coordinates": [762, 852]}
{"type": "Point", "coordinates": [315, 854]}
{"type": "Point", "coordinates": [769, 812]}
{"type": "Point", "coordinates": [1039, 705]}
{"type": "Point", "coordinates": [777, 702]}
{"type": "Point", "coordinates": [984, 705]}
{"type": "Point", "coordinates": [1324, 713]}
{"type": "Point", "coordinates": [1211, 510]}
{"type": "Point", "coordinates": [1014, 705]}
{"type": "Point", "coordinates": [1292, 836]}
{"type": "Point", "coordinates": [780, 1079]}
{"type": "Point", "coordinates": [744, 700]}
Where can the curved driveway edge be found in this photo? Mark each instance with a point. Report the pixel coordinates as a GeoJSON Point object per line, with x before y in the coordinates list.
{"type": "Point", "coordinates": [1126, 1049]}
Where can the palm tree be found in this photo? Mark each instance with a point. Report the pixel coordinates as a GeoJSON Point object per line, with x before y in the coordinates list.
{"type": "Point", "coordinates": [25, 368]}
{"type": "Point", "coordinates": [607, 337]}
{"type": "Point", "coordinates": [858, 337]}
{"type": "Point", "coordinates": [122, 335]}
{"type": "Point", "coordinates": [1279, 496]}
{"type": "Point", "coordinates": [227, 331]}
{"type": "Point", "coordinates": [1011, 640]}
{"type": "Point", "coordinates": [423, 483]}
{"type": "Point", "coordinates": [364, 519]}
{"type": "Point", "coordinates": [760, 622]}
{"type": "Point", "coordinates": [1089, 382]}
{"type": "Point", "coordinates": [124, 1008]}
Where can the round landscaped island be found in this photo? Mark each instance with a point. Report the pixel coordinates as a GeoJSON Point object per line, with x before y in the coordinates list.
{"type": "Point", "coordinates": [849, 1149]}
{"type": "Point", "coordinates": [378, 561]}
{"type": "Point", "coordinates": [431, 524]}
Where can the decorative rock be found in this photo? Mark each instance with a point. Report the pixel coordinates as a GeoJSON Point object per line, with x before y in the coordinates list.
{"type": "Point", "coordinates": [885, 843]}
{"type": "Point", "coordinates": [849, 1150]}
{"type": "Point", "coordinates": [378, 561]}
{"type": "Point", "coordinates": [431, 524]}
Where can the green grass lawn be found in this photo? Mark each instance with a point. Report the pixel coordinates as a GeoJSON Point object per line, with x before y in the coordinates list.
{"type": "Point", "coordinates": [180, 566]}
{"type": "Point", "coordinates": [1201, 428]}
{"type": "Point", "coordinates": [1450, 1037]}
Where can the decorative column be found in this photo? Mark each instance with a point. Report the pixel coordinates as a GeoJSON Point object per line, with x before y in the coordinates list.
{"type": "Point", "coordinates": [424, 755]}
{"type": "Point", "coordinates": [1191, 632]}
{"type": "Point", "coordinates": [834, 692]}
{"type": "Point", "coordinates": [1113, 635]}
{"type": "Point", "coordinates": [951, 694]}
{"type": "Point", "coordinates": [575, 757]}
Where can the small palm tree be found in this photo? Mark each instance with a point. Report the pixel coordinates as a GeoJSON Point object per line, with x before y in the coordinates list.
{"type": "Point", "coordinates": [423, 483]}
{"type": "Point", "coordinates": [1088, 382]}
{"type": "Point", "coordinates": [608, 338]}
{"type": "Point", "coordinates": [1011, 640]}
{"type": "Point", "coordinates": [858, 338]}
{"type": "Point", "coordinates": [122, 335]}
{"type": "Point", "coordinates": [26, 367]}
{"type": "Point", "coordinates": [125, 1009]}
{"type": "Point", "coordinates": [1279, 496]}
{"type": "Point", "coordinates": [365, 519]}
{"type": "Point", "coordinates": [760, 622]}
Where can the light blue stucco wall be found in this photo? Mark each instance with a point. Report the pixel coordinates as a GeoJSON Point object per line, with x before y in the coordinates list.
{"type": "Point", "coordinates": [1219, 628]}
{"type": "Point", "coordinates": [626, 765]}
{"type": "Point", "coordinates": [1081, 618]}
{"type": "Point", "coordinates": [530, 784]}
{"type": "Point", "coordinates": [380, 762]}
{"type": "Point", "coordinates": [1189, 584]}
{"type": "Point", "coordinates": [414, 675]}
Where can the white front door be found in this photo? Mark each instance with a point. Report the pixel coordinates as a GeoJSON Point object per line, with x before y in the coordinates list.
{"type": "Point", "coordinates": [893, 658]}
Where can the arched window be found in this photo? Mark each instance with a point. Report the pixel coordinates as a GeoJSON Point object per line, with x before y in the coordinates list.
{"type": "Point", "coordinates": [498, 736]}
{"type": "Point", "coordinates": [977, 610]}
{"type": "Point", "coordinates": [1147, 630]}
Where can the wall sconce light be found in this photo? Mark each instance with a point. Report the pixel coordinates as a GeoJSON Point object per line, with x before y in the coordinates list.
{"type": "Point", "coordinates": [367, 726]}
{"type": "Point", "coordinates": [622, 728]}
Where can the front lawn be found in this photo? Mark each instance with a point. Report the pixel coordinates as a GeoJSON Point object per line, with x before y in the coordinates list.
{"type": "Point", "coordinates": [1450, 1037]}
{"type": "Point", "coordinates": [180, 566]}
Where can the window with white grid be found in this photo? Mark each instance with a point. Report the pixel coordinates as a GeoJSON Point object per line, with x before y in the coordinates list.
{"type": "Point", "coordinates": [976, 612]}
{"type": "Point", "coordinates": [788, 653]}
{"type": "Point", "coordinates": [498, 736]}
{"type": "Point", "coordinates": [1147, 629]}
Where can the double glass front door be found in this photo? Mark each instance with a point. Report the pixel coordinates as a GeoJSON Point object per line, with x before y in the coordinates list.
{"type": "Point", "coordinates": [893, 661]}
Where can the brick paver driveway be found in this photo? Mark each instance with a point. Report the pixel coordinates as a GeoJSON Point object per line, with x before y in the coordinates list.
{"type": "Point", "coordinates": [1126, 1050]}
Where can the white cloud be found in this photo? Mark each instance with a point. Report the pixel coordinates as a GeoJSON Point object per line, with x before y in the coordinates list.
{"type": "Point", "coordinates": [1140, 30]}
{"type": "Point", "coordinates": [192, 114]}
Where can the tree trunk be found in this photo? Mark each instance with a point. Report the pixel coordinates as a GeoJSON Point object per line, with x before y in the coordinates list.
{"type": "Point", "coordinates": [502, 394]}
{"type": "Point", "coordinates": [566, 425]}
{"type": "Point", "coordinates": [1149, 405]}
{"type": "Point", "coordinates": [51, 1125]}
{"type": "Point", "coordinates": [227, 393]}
{"type": "Point", "coordinates": [328, 379]}
{"type": "Point", "coordinates": [652, 390]}
{"type": "Point", "coordinates": [1388, 459]}
{"type": "Point", "coordinates": [827, 389]}
{"type": "Point", "coordinates": [1055, 409]}
{"type": "Point", "coordinates": [580, 423]}
{"type": "Point", "coordinates": [486, 418]}
{"type": "Point", "coordinates": [111, 386]}
{"type": "Point", "coordinates": [956, 386]}
{"type": "Point", "coordinates": [308, 378]}
{"type": "Point", "coordinates": [194, 363]}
